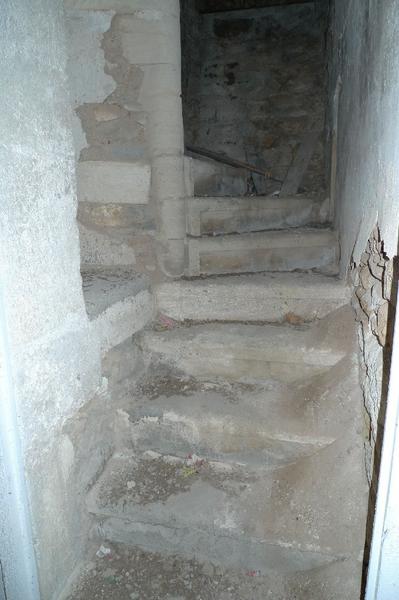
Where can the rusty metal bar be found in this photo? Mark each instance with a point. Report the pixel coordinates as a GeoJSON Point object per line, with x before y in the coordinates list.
{"type": "Point", "coordinates": [232, 162]}
{"type": "Point", "coordinates": [215, 6]}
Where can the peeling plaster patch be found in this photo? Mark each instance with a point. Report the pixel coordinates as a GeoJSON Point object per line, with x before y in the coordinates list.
{"type": "Point", "coordinates": [86, 62]}
{"type": "Point", "coordinates": [372, 280]}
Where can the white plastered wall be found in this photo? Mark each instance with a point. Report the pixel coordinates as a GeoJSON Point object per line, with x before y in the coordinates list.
{"type": "Point", "coordinates": [55, 361]}
{"type": "Point", "coordinates": [364, 58]}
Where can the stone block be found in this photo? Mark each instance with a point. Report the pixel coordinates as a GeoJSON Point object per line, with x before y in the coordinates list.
{"type": "Point", "coordinates": [146, 42]}
{"type": "Point", "coordinates": [114, 182]}
{"type": "Point", "coordinates": [287, 250]}
{"type": "Point", "coordinates": [118, 304]}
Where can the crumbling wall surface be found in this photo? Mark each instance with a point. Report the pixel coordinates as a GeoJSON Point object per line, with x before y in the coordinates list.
{"type": "Point", "coordinates": [364, 66]}
{"type": "Point", "coordinates": [263, 87]}
{"type": "Point", "coordinates": [125, 72]}
{"type": "Point", "coordinates": [54, 360]}
{"type": "Point", "coordinates": [374, 302]}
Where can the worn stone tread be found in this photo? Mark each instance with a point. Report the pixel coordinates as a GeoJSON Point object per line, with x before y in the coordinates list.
{"type": "Point", "coordinates": [263, 520]}
{"type": "Point", "coordinates": [253, 425]}
{"type": "Point", "coordinates": [132, 574]}
{"type": "Point", "coordinates": [249, 352]}
{"type": "Point", "coordinates": [266, 297]}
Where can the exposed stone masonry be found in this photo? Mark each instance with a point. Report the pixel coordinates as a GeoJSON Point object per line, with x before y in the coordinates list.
{"type": "Point", "coordinates": [262, 87]}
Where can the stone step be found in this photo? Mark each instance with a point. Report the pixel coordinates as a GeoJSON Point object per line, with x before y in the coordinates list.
{"type": "Point", "coordinates": [252, 425]}
{"type": "Point", "coordinates": [263, 297]}
{"type": "Point", "coordinates": [222, 215]}
{"type": "Point", "coordinates": [191, 578]}
{"type": "Point", "coordinates": [289, 520]}
{"type": "Point", "coordinates": [247, 423]}
{"type": "Point", "coordinates": [244, 352]}
{"type": "Point", "coordinates": [242, 424]}
{"type": "Point", "coordinates": [118, 303]}
{"type": "Point", "coordinates": [286, 250]}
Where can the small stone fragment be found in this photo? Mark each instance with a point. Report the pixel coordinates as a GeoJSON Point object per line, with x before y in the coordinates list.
{"type": "Point", "coordinates": [103, 551]}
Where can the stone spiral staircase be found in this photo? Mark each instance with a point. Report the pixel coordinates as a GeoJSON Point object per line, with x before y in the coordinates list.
{"type": "Point", "coordinates": [241, 443]}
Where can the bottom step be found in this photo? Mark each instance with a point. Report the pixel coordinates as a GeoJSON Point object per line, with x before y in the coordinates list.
{"type": "Point", "coordinates": [130, 574]}
{"type": "Point", "coordinates": [257, 519]}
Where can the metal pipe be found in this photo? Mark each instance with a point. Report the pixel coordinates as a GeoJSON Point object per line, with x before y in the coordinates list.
{"type": "Point", "coordinates": [383, 570]}
{"type": "Point", "coordinates": [16, 539]}
{"type": "Point", "coordinates": [232, 162]}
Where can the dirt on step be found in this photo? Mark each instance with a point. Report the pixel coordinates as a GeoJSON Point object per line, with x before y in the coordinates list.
{"type": "Point", "coordinates": [130, 574]}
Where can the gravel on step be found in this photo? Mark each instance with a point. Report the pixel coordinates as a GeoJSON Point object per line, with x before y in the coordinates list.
{"type": "Point", "coordinates": [130, 574]}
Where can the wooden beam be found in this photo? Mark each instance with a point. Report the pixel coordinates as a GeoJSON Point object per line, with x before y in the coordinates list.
{"type": "Point", "coordinates": [214, 6]}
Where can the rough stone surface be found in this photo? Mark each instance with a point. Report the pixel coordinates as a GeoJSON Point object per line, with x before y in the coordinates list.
{"type": "Point", "coordinates": [262, 86]}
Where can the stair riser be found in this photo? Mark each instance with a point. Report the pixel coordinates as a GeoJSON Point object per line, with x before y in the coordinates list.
{"type": "Point", "coordinates": [208, 362]}
{"type": "Point", "coordinates": [209, 258]}
{"type": "Point", "coordinates": [262, 298]}
{"type": "Point", "coordinates": [238, 552]}
{"type": "Point", "coordinates": [248, 370]}
{"type": "Point", "coordinates": [221, 441]}
{"type": "Point", "coordinates": [250, 214]}
{"type": "Point", "coordinates": [191, 305]}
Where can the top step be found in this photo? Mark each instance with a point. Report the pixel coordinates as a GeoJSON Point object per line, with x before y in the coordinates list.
{"type": "Point", "coordinates": [229, 214]}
